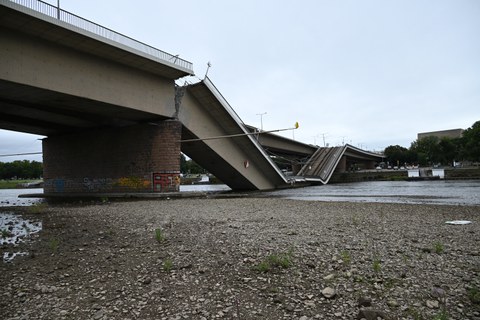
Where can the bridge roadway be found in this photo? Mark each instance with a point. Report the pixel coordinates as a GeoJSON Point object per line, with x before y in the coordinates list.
{"type": "Point", "coordinates": [114, 118]}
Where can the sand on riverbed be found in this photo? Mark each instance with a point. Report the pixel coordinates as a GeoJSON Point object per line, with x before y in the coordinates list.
{"type": "Point", "coordinates": [245, 258]}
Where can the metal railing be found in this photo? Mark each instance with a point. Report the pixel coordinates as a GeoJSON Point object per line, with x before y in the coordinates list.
{"type": "Point", "coordinates": [87, 25]}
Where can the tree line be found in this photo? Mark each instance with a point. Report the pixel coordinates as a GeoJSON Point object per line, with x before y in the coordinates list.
{"type": "Point", "coordinates": [432, 150]}
{"type": "Point", "coordinates": [21, 169]}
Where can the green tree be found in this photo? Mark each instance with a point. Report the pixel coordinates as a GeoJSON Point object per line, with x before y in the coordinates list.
{"type": "Point", "coordinates": [471, 143]}
{"type": "Point", "coordinates": [397, 155]}
{"type": "Point", "coordinates": [428, 150]}
{"type": "Point", "coordinates": [449, 149]}
{"type": "Point", "coordinates": [21, 169]}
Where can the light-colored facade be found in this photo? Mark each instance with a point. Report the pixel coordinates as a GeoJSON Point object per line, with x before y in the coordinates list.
{"type": "Point", "coordinates": [452, 133]}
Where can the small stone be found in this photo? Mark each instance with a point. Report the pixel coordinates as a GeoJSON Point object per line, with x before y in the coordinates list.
{"type": "Point", "coordinates": [329, 277]}
{"type": "Point", "coordinates": [432, 304]}
{"type": "Point", "coordinates": [98, 315]}
{"type": "Point", "coordinates": [392, 303]}
{"type": "Point", "coordinates": [364, 302]}
{"type": "Point", "coordinates": [329, 293]}
{"type": "Point", "coordinates": [370, 314]}
{"type": "Point", "coordinates": [438, 292]}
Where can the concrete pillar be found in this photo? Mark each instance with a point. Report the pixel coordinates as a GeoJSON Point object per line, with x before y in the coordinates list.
{"type": "Point", "coordinates": [139, 158]}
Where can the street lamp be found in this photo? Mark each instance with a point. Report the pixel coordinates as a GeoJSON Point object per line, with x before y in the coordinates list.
{"type": "Point", "coordinates": [261, 119]}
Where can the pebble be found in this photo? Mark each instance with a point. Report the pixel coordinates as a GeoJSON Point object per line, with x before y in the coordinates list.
{"type": "Point", "coordinates": [329, 293]}
{"type": "Point", "coordinates": [432, 304]}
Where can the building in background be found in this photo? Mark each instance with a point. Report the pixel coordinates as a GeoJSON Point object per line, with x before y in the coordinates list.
{"type": "Point", "coordinates": [452, 133]}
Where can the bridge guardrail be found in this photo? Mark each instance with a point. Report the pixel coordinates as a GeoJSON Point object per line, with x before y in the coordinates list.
{"type": "Point", "coordinates": [87, 25]}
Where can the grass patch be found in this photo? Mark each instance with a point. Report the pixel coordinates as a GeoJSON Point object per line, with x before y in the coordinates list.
{"type": "Point", "coordinates": [414, 314]}
{"type": "Point", "coordinates": [37, 208]}
{"type": "Point", "coordinates": [377, 265]}
{"type": "Point", "coordinates": [53, 244]}
{"type": "Point", "coordinates": [438, 247]}
{"type": "Point", "coordinates": [474, 295]}
{"type": "Point", "coordinates": [441, 316]}
{"type": "Point", "coordinates": [273, 261]}
{"type": "Point", "coordinates": [346, 258]}
{"type": "Point", "coordinates": [13, 184]}
{"type": "Point", "coordinates": [5, 233]}
{"type": "Point", "coordinates": [167, 265]}
{"type": "Point", "coordinates": [159, 236]}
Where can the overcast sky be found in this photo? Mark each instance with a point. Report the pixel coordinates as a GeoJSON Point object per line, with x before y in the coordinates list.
{"type": "Point", "coordinates": [371, 73]}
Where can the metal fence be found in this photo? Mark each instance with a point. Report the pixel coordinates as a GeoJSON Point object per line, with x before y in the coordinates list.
{"type": "Point", "coordinates": [84, 24]}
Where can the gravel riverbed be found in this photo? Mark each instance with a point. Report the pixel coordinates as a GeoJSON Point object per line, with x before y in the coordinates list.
{"type": "Point", "coordinates": [245, 258]}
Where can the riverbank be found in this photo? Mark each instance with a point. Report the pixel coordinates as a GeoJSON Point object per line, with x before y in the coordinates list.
{"type": "Point", "coordinates": [472, 173]}
{"type": "Point", "coordinates": [245, 258]}
{"type": "Point", "coordinates": [20, 184]}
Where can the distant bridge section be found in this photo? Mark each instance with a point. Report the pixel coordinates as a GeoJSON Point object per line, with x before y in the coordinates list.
{"type": "Point", "coordinates": [325, 161]}
{"type": "Point", "coordinates": [277, 144]}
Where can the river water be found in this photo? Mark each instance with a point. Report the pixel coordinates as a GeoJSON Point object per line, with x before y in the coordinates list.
{"type": "Point", "coordinates": [447, 192]}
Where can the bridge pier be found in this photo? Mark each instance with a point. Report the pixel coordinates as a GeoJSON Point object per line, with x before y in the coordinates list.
{"type": "Point", "coordinates": [138, 158]}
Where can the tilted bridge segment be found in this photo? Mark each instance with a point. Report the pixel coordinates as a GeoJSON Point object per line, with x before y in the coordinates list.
{"type": "Point", "coordinates": [113, 117]}
{"type": "Point", "coordinates": [325, 161]}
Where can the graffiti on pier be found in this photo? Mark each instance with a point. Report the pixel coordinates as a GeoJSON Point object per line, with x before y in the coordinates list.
{"type": "Point", "coordinates": [134, 183]}
{"type": "Point", "coordinates": [166, 181]}
{"type": "Point", "coordinates": [101, 184]}
{"type": "Point", "coordinates": [54, 185]}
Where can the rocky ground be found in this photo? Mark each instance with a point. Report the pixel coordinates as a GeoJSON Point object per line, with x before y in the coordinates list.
{"type": "Point", "coordinates": [245, 258]}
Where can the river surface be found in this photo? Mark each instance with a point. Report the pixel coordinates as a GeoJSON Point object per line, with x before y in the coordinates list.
{"type": "Point", "coordinates": [449, 192]}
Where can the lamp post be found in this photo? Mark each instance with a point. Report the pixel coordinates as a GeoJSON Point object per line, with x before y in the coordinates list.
{"type": "Point", "coordinates": [58, 9]}
{"type": "Point", "coordinates": [261, 119]}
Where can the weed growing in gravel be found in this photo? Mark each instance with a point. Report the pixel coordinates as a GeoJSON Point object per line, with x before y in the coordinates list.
{"type": "Point", "coordinates": [6, 233]}
{"type": "Point", "coordinates": [474, 295]}
{"type": "Point", "coordinates": [167, 265]}
{"type": "Point", "coordinates": [390, 283]}
{"type": "Point", "coordinates": [159, 235]}
{"type": "Point", "coordinates": [346, 257]}
{"type": "Point", "coordinates": [377, 265]}
{"type": "Point", "coordinates": [355, 220]}
{"type": "Point", "coordinates": [438, 247]}
{"type": "Point", "coordinates": [281, 260]}
{"type": "Point", "coordinates": [441, 316]}
{"type": "Point", "coordinates": [414, 314]}
{"type": "Point", "coordinates": [37, 208]}
{"type": "Point", "coordinates": [53, 244]}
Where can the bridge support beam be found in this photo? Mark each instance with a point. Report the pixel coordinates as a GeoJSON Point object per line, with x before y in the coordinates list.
{"type": "Point", "coordinates": [139, 158]}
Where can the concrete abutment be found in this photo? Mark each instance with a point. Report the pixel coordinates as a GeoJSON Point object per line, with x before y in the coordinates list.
{"type": "Point", "coordinates": [138, 158]}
